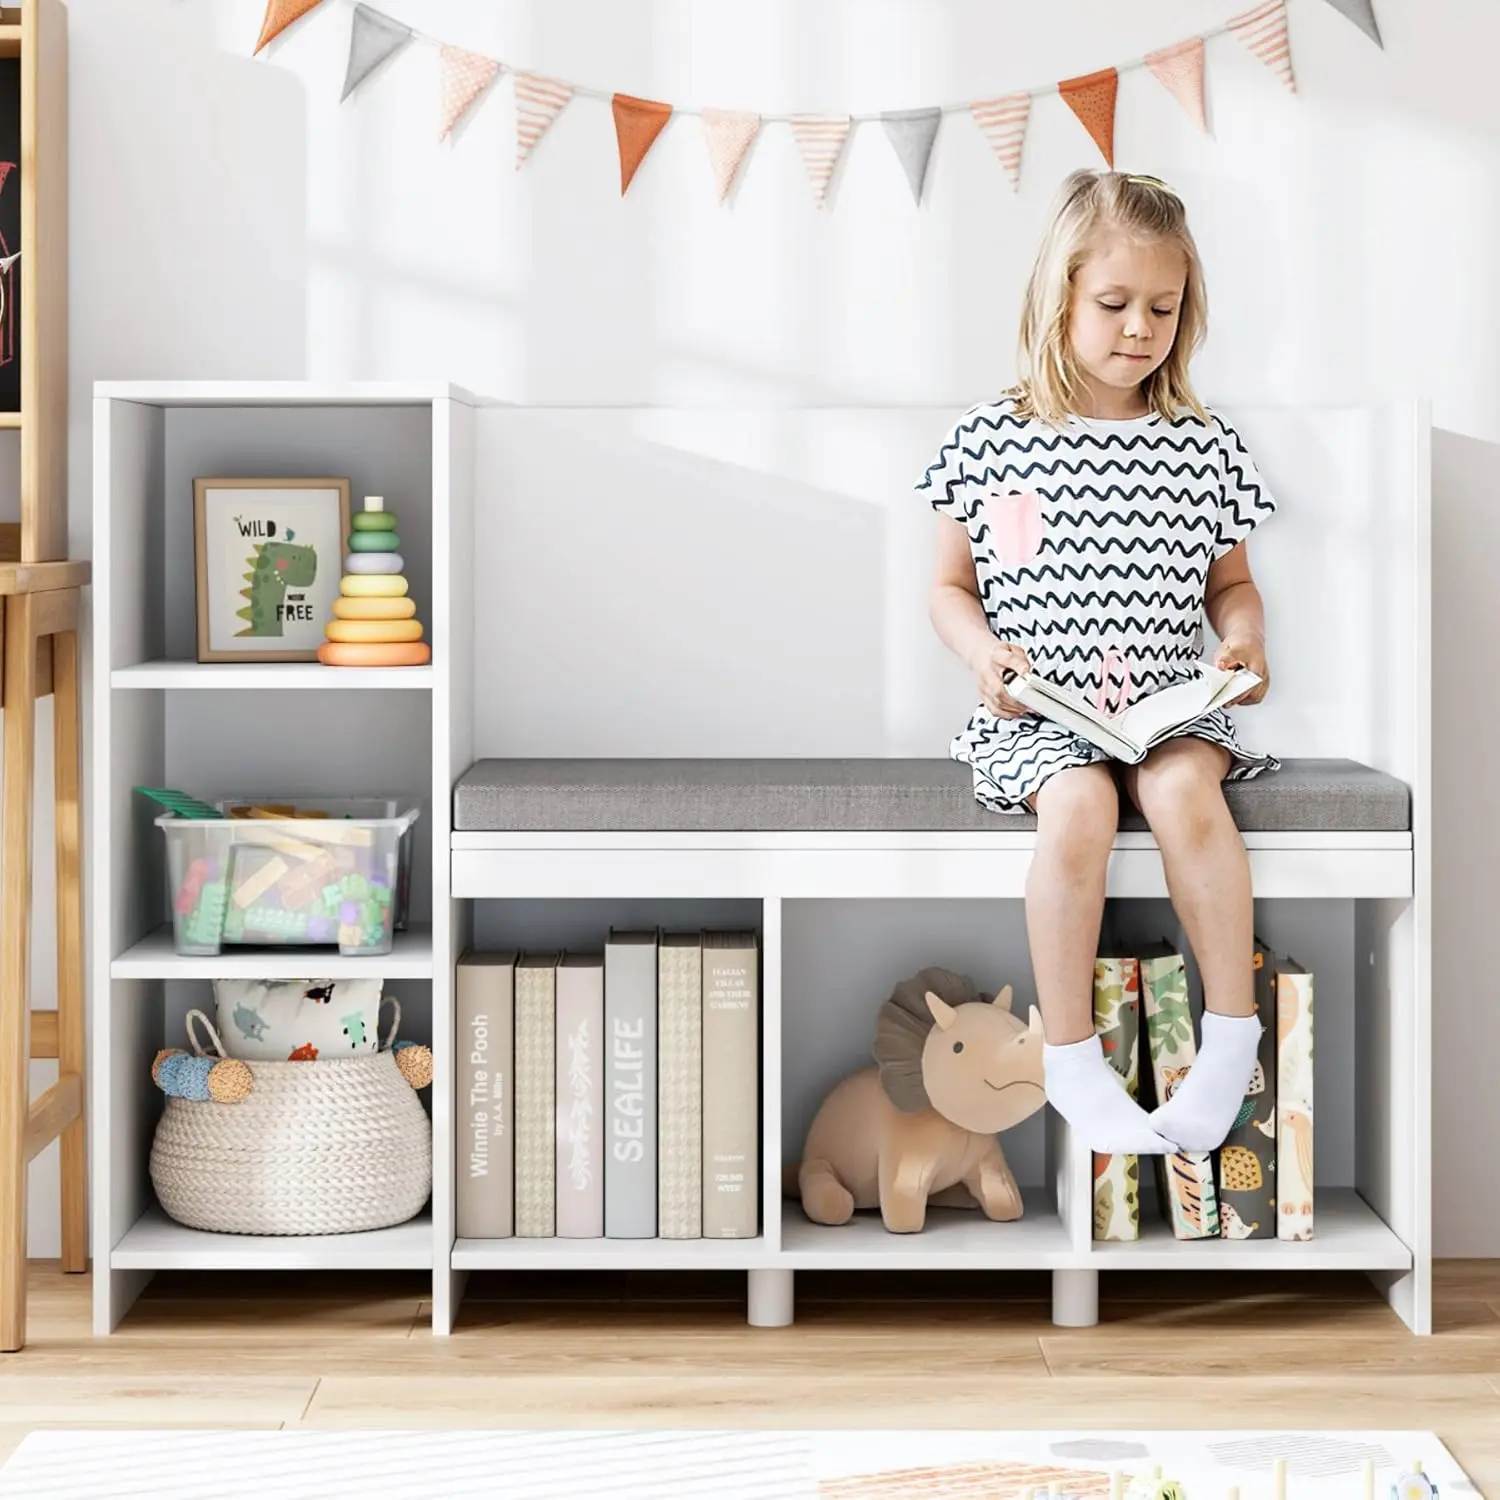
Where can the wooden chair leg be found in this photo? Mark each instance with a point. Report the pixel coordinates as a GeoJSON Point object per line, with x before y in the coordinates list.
{"type": "Point", "coordinates": [68, 819]}
{"type": "Point", "coordinates": [16, 784]}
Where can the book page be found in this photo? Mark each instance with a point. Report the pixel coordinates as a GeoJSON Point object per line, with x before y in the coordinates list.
{"type": "Point", "coordinates": [1066, 708]}
{"type": "Point", "coordinates": [1147, 721]}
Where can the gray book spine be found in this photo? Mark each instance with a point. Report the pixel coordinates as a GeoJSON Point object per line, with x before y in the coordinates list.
{"type": "Point", "coordinates": [630, 1085]}
{"type": "Point", "coordinates": [580, 1097]}
{"type": "Point", "coordinates": [731, 1086]}
{"type": "Point", "coordinates": [536, 1002]}
{"type": "Point", "coordinates": [484, 1178]}
{"type": "Point", "coordinates": [680, 1087]}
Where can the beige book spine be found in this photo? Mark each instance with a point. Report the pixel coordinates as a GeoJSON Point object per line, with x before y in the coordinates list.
{"type": "Point", "coordinates": [484, 1195]}
{"type": "Point", "coordinates": [1294, 1103]}
{"type": "Point", "coordinates": [680, 1088]}
{"type": "Point", "coordinates": [536, 1047]}
{"type": "Point", "coordinates": [731, 1086]}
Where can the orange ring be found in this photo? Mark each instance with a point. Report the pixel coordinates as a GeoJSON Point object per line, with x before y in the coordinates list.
{"type": "Point", "coordinates": [403, 654]}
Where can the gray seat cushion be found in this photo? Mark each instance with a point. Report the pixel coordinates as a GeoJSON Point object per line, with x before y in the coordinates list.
{"type": "Point", "coordinates": [861, 796]}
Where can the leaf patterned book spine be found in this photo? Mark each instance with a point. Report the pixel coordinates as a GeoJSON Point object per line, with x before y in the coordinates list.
{"type": "Point", "coordinates": [1294, 1102]}
{"type": "Point", "coordinates": [536, 1044]}
{"type": "Point", "coordinates": [1247, 1159]}
{"type": "Point", "coordinates": [1185, 1180]}
{"type": "Point", "coordinates": [680, 1087]}
{"type": "Point", "coordinates": [1117, 1019]}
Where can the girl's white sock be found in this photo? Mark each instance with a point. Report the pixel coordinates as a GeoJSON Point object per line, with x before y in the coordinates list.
{"type": "Point", "coordinates": [1199, 1114]}
{"type": "Point", "coordinates": [1091, 1097]}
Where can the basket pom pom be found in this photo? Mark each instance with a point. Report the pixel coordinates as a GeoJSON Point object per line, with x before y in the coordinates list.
{"type": "Point", "coordinates": [230, 1081]}
{"type": "Point", "coordinates": [415, 1062]}
{"type": "Point", "coordinates": [159, 1059]}
{"type": "Point", "coordinates": [183, 1076]}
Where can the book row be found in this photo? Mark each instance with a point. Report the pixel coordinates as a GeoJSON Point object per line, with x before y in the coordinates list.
{"type": "Point", "coordinates": [1259, 1183]}
{"type": "Point", "coordinates": [612, 1093]}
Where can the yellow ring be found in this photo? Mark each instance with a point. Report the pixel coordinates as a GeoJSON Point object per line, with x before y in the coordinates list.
{"type": "Point", "coordinates": [372, 586]}
{"type": "Point", "coordinates": [373, 632]}
{"type": "Point", "coordinates": [374, 609]}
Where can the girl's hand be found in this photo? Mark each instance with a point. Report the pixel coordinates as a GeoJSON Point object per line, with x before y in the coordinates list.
{"type": "Point", "coordinates": [989, 664]}
{"type": "Point", "coordinates": [1245, 651]}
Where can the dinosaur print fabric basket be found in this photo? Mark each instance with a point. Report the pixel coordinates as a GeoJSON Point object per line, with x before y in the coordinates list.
{"type": "Point", "coordinates": [330, 873]}
{"type": "Point", "coordinates": [326, 1147]}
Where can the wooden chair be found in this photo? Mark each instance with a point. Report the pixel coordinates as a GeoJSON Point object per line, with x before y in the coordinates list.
{"type": "Point", "coordinates": [39, 625]}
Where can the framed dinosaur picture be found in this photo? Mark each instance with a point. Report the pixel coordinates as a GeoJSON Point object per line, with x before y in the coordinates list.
{"type": "Point", "coordinates": [269, 555]}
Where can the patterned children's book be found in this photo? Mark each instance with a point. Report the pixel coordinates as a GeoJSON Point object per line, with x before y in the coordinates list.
{"type": "Point", "coordinates": [536, 1091]}
{"type": "Point", "coordinates": [1117, 1019]}
{"type": "Point", "coordinates": [1294, 1101]}
{"type": "Point", "coordinates": [679, 1086]}
{"type": "Point", "coordinates": [1247, 1159]}
{"type": "Point", "coordinates": [1185, 1180]}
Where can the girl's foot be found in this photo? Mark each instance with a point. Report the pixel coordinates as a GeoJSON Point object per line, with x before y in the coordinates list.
{"type": "Point", "coordinates": [1200, 1113]}
{"type": "Point", "coordinates": [1091, 1097]}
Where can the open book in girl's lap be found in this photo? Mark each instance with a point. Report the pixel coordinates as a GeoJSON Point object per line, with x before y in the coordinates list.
{"type": "Point", "coordinates": [1130, 734]}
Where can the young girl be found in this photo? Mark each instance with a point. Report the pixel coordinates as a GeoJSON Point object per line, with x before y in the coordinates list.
{"type": "Point", "coordinates": [1088, 520]}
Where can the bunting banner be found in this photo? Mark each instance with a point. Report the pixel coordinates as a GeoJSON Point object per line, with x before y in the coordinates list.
{"type": "Point", "coordinates": [1003, 124]}
{"type": "Point", "coordinates": [821, 139]}
{"type": "Point", "coordinates": [539, 101]}
{"type": "Point", "coordinates": [638, 122]}
{"type": "Point", "coordinates": [1362, 13]}
{"type": "Point", "coordinates": [1180, 69]}
{"type": "Point", "coordinates": [912, 132]}
{"type": "Point", "coordinates": [466, 75]}
{"type": "Point", "coordinates": [374, 38]}
{"type": "Point", "coordinates": [730, 135]}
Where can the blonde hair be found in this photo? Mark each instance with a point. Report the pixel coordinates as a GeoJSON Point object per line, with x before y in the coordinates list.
{"type": "Point", "coordinates": [1090, 205]}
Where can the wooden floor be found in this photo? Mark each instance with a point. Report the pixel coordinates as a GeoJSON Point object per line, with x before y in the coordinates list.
{"type": "Point", "coordinates": [636, 1350]}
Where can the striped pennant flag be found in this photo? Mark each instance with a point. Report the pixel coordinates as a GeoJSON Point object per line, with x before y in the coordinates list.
{"type": "Point", "coordinates": [539, 101]}
{"type": "Point", "coordinates": [1263, 30]}
{"type": "Point", "coordinates": [820, 139]}
{"type": "Point", "coordinates": [1003, 122]}
{"type": "Point", "coordinates": [729, 135]}
{"type": "Point", "coordinates": [466, 75]}
{"type": "Point", "coordinates": [1180, 70]}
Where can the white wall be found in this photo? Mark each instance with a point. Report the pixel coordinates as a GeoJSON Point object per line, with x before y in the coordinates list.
{"type": "Point", "coordinates": [230, 218]}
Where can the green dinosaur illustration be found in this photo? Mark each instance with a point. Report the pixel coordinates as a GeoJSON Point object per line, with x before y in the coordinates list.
{"type": "Point", "coordinates": [274, 568]}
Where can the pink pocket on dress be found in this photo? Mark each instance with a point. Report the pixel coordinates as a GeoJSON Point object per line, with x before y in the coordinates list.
{"type": "Point", "coordinates": [1015, 522]}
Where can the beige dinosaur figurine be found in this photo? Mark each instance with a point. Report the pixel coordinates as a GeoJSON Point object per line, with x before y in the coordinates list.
{"type": "Point", "coordinates": [953, 1069]}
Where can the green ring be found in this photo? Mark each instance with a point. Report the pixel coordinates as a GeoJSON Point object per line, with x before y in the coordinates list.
{"type": "Point", "coordinates": [374, 541]}
{"type": "Point", "coordinates": [374, 520]}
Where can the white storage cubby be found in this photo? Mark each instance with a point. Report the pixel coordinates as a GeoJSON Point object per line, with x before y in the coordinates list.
{"type": "Point", "coordinates": [590, 650]}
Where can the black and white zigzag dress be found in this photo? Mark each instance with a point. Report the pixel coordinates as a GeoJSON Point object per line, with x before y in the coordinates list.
{"type": "Point", "coordinates": [1091, 549]}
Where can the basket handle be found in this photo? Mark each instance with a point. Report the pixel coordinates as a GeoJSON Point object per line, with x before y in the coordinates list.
{"type": "Point", "coordinates": [197, 1046]}
{"type": "Point", "coordinates": [390, 1036]}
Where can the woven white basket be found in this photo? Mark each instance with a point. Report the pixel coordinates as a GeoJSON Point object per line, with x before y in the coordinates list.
{"type": "Point", "coordinates": [325, 1147]}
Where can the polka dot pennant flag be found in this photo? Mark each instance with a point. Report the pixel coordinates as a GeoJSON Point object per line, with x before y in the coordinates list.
{"type": "Point", "coordinates": [466, 75]}
{"type": "Point", "coordinates": [279, 15]}
{"type": "Point", "coordinates": [539, 101]}
{"type": "Point", "coordinates": [820, 139]}
{"type": "Point", "coordinates": [1180, 69]}
{"type": "Point", "coordinates": [729, 134]}
{"type": "Point", "coordinates": [1263, 31]}
{"type": "Point", "coordinates": [1092, 99]}
{"type": "Point", "coordinates": [1003, 123]}
{"type": "Point", "coordinates": [638, 122]}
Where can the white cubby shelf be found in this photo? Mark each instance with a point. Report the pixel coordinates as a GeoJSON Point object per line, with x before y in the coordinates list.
{"type": "Point", "coordinates": [841, 916]}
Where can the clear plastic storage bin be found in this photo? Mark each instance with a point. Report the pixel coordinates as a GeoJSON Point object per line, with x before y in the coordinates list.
{"type": "Point", "coordinates": [342, 879]}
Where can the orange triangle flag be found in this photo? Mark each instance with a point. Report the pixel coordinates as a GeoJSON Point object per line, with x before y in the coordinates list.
{"type": "Point", "coordinates": [1092, 99]}
{"type": "Point", "coordinates": [1180, 69]}
{"type": "Point", "coordinates": [279, 15]}
{"type": "Point", "coordinates": [466, 75]}
{"type": "Point", "coordinates": [638, 122]}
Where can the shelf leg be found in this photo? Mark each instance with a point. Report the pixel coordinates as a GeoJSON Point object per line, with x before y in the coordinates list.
{"type": "Point", "coordinates": [771, 1298]}
{"type": "Point", "coordinates": [1075, 1298]}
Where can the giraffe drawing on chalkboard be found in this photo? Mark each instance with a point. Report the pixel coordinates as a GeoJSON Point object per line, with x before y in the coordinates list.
{"type": "Point", "coordinates": [8, 259]}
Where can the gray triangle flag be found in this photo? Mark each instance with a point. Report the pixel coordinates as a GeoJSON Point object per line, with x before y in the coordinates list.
{"type": "Point", "coordinates": [373, 38]}
{"type": "Point", "coordinates": [912, 132]}
{"type": "Point", "coordinates": [1362, 13]}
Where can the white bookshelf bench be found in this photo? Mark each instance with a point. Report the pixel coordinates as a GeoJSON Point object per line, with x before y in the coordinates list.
{"type": "Point", "coordinates": [668, 625]}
